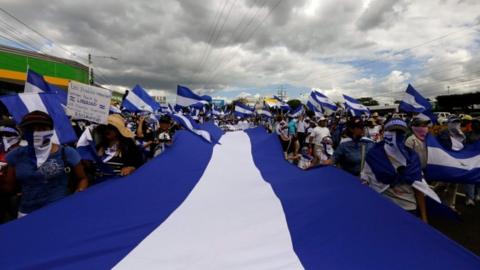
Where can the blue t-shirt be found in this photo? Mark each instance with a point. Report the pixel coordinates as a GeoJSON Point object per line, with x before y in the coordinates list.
{"type": "Point", "coordinates": [43, 185]}
{"type": "Point", "coordinates": [292, 128]}
{"type": "Point", "coordinates": [349, 155]}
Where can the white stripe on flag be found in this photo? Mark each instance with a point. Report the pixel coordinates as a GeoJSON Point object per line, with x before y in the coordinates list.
{"type": "Point", "coordinates": [242, 110]}
{"type": "Point", "coordinates": [356, 106]}
{"type": "Point", "coordinates": [31, 88]}
{"type": "Point", "coordinates": [409, 99]}
{"type": "Point", "coordinates": [437, 156]}
{"type": "Point", "coordinates": [185, 101]}
{"type": "Point", "coordinates": [231, 220]}
{"type": "Point", "coordinates": [138, 102]}
{"type": "Point", "coordinates": [33, 102]}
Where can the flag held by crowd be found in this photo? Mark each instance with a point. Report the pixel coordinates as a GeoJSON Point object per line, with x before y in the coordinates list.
{"type": "Point", "coordinates": [297, 112]}
{"type": "Point", "coordinates": [186, 97]}
{"type": "Point", "coordinates": [37, 84]}
{"type": "Point", "coordinates": [242, 110]}
{"type": "Point", "coordinates": [22, 104]}
{"type": "Point", "coordinates": [319, 99]}
{"type": "Point", "coordinates": [138, 100]}
{"type": "Point", "coordinates": [189, 124]}
{"type": "Point", "coordinates": [264, 113]}
{"type": "Point", "coordinates": [413, 101]}
{"type": "Point", "coordinates": [452, 166]}
{"type": "Point", "coordinates": [355, 107]}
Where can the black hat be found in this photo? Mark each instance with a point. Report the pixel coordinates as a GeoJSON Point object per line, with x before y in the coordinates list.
{"type": "Point", "coordinates": [38, 118]}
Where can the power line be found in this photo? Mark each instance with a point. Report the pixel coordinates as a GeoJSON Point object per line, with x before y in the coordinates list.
{"type": "Point", "coordinates": [220, 31]}
{"type": "Point", "coordinates": [212, 32]}
{"type": "Point", "coordinates": [215, 72]}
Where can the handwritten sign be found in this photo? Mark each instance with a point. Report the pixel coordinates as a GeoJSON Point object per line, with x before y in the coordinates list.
{"type": "Point", "coordinates": [88, 102]}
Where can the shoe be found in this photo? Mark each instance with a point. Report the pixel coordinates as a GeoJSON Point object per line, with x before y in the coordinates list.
{"type": "Point", "coordinates": [470, 202]}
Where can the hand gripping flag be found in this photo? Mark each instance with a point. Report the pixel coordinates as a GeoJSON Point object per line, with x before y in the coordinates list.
{"type": "Point", "coordinates": [138, 100]}
{"type": "Point", "coordinates": [21, 104]}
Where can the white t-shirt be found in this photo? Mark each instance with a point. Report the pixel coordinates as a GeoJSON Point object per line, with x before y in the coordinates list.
{"type": "Point", "coordinates": [301, 126]}
{"type": "Point", "coordinates": [318, 133]}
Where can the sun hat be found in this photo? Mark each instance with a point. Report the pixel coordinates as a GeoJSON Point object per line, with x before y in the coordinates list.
{"type": "Point", "coordinates": [117, 121]}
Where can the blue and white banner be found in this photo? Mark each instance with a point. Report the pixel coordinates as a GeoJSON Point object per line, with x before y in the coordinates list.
{"type": "Point", "coordinates": [282, 104]}
{"type": "Point", "coordinates": [413, 101]}
{"type": "Point", "coordinates": [264, 113]}
{"type": "Point", "coordinates": [354, 106]}
{"type": "Point", "coordinates": [86, 150]}
{"type": "Point", "coordinates": [452, 166]}
{"type": "Point", "coordinates": [192, 126]}
{"type": "Point", "coordinates": [242, 110]}
{"type": "Point", "coordinates": [321, 100]}
{"type": "Point", "coordinates": [36, 84]}
{"type": "Point", "coordinates": [184, 213]}
{"type": "Point", "coordinates": [297, 112]}
{"type": "Point", "coordinates": [138, 100]}
{"type": "Point", "coordinates": [22, 104]}
{"type": "Point", "coordinates": [217, 112]}
{"type": "Point", "coordinates": [186, 97]}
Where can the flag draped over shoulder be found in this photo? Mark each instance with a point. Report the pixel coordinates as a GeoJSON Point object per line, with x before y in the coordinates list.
{"type": "Point", "coordinates": [21, 104]}
{"type": "Point", "coordinates": [452, 166]}
{"type": "Point", "coordinates": [138, 100]}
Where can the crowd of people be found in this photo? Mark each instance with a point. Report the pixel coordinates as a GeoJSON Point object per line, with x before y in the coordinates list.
{"type": "Point", "coordinates": [356, 144]}
{"type": "Point", "coordinates": [36, 170]}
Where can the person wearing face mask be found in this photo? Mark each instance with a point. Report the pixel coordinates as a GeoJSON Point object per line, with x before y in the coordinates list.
{"type": "Point", "coordinates": [350, 153]}
{"type": "Point", "coordinates": [394, 170]}
{"type": "Point", "coordinates": [419, 126]}
{"type": "Point", "coordinates": [42, 167]}
{"type": "Point", "coordinates": [454, 139]}
{"type": "Point", "coordinates": [9, 140]}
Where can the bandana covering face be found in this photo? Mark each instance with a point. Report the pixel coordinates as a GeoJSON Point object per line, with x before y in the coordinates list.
{"type": "Point", "coordinates": [420, 132]}
{"type": "Point", "coordinates": [395, 147]}
{"type": "Point", "coordinates": [110, 153]}
{"type": "Point", "coordinates": [9, 141]}
{"type": "Point", "coordinates": [40, 145]}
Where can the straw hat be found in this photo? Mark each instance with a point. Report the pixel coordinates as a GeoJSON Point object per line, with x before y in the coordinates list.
{"type": "Point", "coordinates": [118, 122]}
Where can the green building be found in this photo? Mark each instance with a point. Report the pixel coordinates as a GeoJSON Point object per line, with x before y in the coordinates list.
{"type": "Point", "coordinates": [58, 71]}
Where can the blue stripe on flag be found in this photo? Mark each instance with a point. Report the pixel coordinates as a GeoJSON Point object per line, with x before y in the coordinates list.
{"type": "Point", "coordinates": [97, 228]}
{"type": "Point", "coordinates": [337, 223]}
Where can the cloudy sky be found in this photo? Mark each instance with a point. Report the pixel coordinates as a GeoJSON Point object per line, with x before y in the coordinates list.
{"type": "Point", "coordinates": [230, 48]}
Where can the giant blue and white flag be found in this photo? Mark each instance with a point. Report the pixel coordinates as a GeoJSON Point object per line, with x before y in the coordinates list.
{"type": "Point", "coordinates": [452, 166]}
{"type": "Point", "coordinates": [233, 205]}
{"type": "Point", "coordinates": [189, 124]}
{"type": "Point", "coordinates": [186, 97]}
{"type": "Point", "coordinates": [320, 99]}
{"type": "Point", "coordinates": [243, 110]}
{"type": "Point", "coordinates": [22, 104]}
{"type": "Point", "coordinates": [354, 106]}
{"type": "Point", "coordinates": [37, 84]}
{"type": "Point", "coordinates": [138, 100]}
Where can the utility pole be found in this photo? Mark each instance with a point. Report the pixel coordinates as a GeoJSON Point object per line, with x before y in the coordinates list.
{"type": "Point", "coordinates": [90, 70]}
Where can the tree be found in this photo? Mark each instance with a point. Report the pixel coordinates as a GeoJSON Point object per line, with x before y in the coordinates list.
{"type": "Point", "coordinates": [294, 103]}
{"type": "Point", "coordinates": [368, 101]}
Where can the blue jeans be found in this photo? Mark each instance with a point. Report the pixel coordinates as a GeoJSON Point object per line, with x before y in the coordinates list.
{"type": "Point", "coordinates": [471, 190]}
